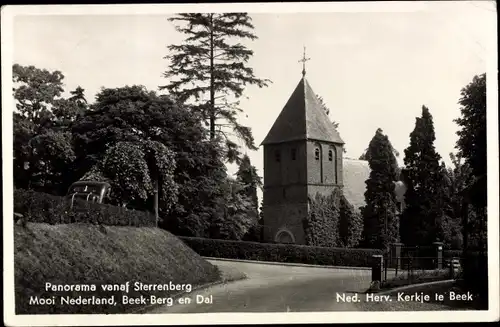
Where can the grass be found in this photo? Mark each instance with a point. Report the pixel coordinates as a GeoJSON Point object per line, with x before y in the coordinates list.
{"type": "Point", "coordinates": [417, 277]}
{"type": "Point", "coordinates": [91, 254]}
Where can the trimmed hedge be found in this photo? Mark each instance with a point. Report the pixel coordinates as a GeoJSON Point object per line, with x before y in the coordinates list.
{"type": "Point", "coordinates": [45, 208]}
{"type": "Point", "coordinates": [290, 253]}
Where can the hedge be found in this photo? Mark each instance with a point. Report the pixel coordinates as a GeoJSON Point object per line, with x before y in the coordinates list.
{"type": "Point", "coordinates": [290, 253]}
{"type": "Point", "coordinates": [45, 208]}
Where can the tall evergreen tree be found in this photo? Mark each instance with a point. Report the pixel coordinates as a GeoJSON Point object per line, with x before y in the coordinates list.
{"type": "Point", "coordinates": [381, 225]}
{"type": "Point", "coordinates": [209, 72]}
{"type": "Point", "coordinates": [421, 221]}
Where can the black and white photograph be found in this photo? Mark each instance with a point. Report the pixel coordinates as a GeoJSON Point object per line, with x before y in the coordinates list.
{"type": "Point", "coordinates": [253, 163]}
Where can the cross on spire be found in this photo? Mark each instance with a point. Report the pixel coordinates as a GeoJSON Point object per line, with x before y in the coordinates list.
{"type": "Point", "coordinates": [303, 61]}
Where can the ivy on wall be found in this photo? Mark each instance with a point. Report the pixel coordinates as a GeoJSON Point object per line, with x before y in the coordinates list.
{"type": "Point", "coordinates": [332, 222]}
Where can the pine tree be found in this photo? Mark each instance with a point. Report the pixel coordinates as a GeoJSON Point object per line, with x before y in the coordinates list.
{"type": "Point", "coordinates": [421, 221]}
{"type": "Point", "coordinates": [209, 72]}
{"type": "Point", "coordinates": [381, 225]}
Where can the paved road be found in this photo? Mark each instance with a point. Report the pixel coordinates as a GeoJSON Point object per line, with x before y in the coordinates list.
{"type": "Point", "coordinates": [275, 288]}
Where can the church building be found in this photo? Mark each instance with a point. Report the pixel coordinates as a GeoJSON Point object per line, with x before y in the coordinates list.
{"type": "Point", "coordinates": [303, 155]}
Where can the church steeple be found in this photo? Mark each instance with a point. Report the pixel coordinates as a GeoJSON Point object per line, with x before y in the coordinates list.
{"type": "Point", "coordinates": [303, 60]}
{"type": "Point", "coordinates": [302, 118]}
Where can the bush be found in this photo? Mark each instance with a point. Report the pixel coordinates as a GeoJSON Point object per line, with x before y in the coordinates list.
{"type": "Point", "coordinates": [45, 208]}
{"type": "Point", "coordinates": [290, 253]}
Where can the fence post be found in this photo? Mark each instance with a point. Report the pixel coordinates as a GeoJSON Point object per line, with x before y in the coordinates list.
{"type": "Point", "coordinates": [396, 255]}
{"type": "Point", "coordinates": [438, 254]}
{"type": "Point", "coordinates": [377, 266]}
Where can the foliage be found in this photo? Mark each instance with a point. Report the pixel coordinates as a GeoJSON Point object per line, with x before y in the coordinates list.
{"type": "Point", "coordinates": [472, 134]}
{"type": "Point", "coordinates": [321, 224]}
{"type": "Point", "coordinates": [381, 225]}
{"type": "Point", "coordinates": [134, 114]}
{"type": "Point", "coordinates": [23, 130]}
{"type": "Point", "coordinates": [67, 111]}
{"type": "Point", "coordinates": [236, 214]}
{"type": "Point", "coordinates": [133, 168]}
{"type": "Point", "coordinates": [45, 208]}
{"type": "Point", "coordinates": [86, 254]}
{"type": "Point", "coordinates": [208, 72]}
{"type": "Point", "coordinates": [457, 178]}
{"type": "Point", "coordinates": [472, 147]}
{"type": "Point", "coordinates": [247, 175]}
{"type": "Point", "coordinates": [43, 150]}
{"type": "Point", "coordinates": [35, 92]}
{"type": "Point", "coordinates": [366, 155]}
{"type": "Point", "coordinates": [421, 221]}
{"type": "Point", "coordinates": [50, 156]}
{"type": "Point", "coordinates": [350, 225]}
{"type": "Point", "coordinates": [125, 165]}
{"type": "Point", "coordinates": [290, 253]}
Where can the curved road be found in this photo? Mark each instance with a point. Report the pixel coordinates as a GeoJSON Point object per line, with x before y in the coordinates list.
{"type": "Point", "coordinates": [277, 288]}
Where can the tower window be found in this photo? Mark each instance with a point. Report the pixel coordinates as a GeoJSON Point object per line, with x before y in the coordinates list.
{"type": "Point", "coordinates": [330, 155]}
{"type": "Point", "coordinates": [294, 154]}
{"type": "Point", "coordinates": [277, 155]}
{"type": "Point", "coordinates": [316, 154]}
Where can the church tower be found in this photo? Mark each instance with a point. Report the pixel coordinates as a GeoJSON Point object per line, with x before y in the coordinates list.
{"type": "Point", "coordinates": [302, 157]}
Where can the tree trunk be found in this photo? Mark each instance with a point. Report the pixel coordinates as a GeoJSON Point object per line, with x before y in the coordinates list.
{"type": "Point", "coordinates": [212, 86]}
{"type": "Point", "coordinates": [157, 217]}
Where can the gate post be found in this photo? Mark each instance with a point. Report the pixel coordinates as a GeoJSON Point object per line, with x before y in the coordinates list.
{"type": "Point", "coordinates": [438, 254]}
{"type": "Point", "coordinates": [396, 255]}
{"type": "Point", "coordinates": [377, 266]}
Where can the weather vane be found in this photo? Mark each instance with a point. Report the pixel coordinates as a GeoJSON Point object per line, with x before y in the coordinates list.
{"type": "Point", "coordinates": [303, 61]}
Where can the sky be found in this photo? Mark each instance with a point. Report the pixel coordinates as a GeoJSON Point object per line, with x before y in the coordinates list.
{"type": "Point", "coordinates": [374, 68]}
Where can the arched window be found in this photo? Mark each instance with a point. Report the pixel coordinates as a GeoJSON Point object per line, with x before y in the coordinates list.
{"type": "Point", "coordinates": [316, 154]}
{"type": "Point", "coordinates": [294, 154]}
{"type": "Point", "coordinates": [330, 155]}
{"type": "Point", "coordinates": [277, 155]}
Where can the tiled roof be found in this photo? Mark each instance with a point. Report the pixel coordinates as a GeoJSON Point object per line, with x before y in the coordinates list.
{"type": "Point", "coordinates": [355, 173]}
{"type": "Point", "coordinates": [302, 118]}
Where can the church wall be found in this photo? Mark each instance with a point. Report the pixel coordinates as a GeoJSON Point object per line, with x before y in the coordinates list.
{"type": "Point", "coordinates": [286, 170]}
{"type": "Point", "coordinates": [324, 171]}
{"type": "Point", "coordinates": [329, 166]}
{"type": "Point", "coordinates": [314, 167]}
{"type": "Point", "coordinates": [340, 163]}
{"type": "Point", "coordinates": [288, 216]}
{"type": "Point", "coordinates": [285, 194]}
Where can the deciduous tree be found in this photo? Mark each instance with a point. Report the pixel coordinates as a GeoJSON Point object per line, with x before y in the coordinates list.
{"type": "Point", "coordinates": [133, 114]}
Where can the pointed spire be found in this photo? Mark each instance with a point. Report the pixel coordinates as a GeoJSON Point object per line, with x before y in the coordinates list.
{"type": "Point", "coordinates": [303, 61]}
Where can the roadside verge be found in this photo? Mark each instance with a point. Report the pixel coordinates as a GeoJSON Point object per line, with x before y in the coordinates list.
{"type": "Point", "coordinates": [287, 264]}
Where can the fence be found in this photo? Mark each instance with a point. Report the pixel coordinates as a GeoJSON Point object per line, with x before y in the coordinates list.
{"type": "Point", "coordinates": [410, 264]}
